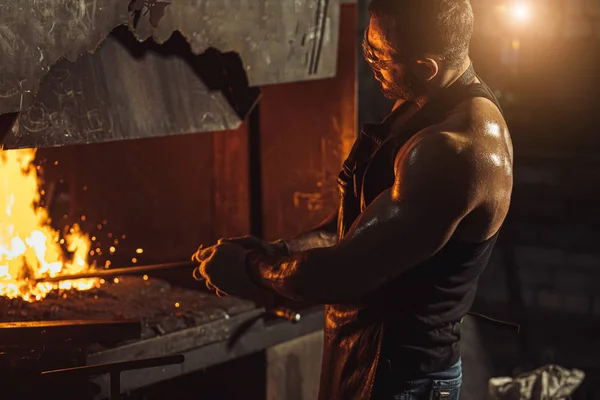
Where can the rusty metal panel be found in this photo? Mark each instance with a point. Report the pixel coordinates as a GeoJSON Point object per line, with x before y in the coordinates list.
{"type": "Point", "coordinates": [307, 130]}
{"type": "Point", "coordinates": [159, 193]}
{"type": "Point", "coordinates": [277, 40]}
{"type": "Point", "coordinates": [231, 184]}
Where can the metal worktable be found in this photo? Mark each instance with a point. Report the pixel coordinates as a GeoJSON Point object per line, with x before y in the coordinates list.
{"type": "Point", "coordinates": [206, 329]}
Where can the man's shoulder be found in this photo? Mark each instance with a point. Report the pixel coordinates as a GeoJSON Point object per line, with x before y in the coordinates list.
{"type": "Point", "coordinates": [438, 142]}
{"type": "Point", "coordinates": [437, 151]}
{"type": "Point", "coordinates": [437, 166]}
{"type": "Point", "coordinates": [454, 169]}
{"type": "Point", "coordinates": [474, 114]}
{"type": "Point", "coordinates": [472, 131]}
{"type": "Point", "coordinates": [466, 146]}
{"type": "Point", "coordinates": [475, 124]}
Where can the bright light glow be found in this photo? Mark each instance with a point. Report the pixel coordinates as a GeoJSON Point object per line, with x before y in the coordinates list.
{"type": "Point", "coordinates": [493, 129]}
{"type": "Point", "coordinates": [521, 12]}
{"type": "Point", "coordinates": [496, 159]}
{"type": "Point", "coordinates": [30, 247]}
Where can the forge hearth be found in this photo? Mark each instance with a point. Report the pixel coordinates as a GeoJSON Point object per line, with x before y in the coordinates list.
{"type": "Point", "coordinates": [64, 328]}
{"type": "Point", "coordinates": [206, 329]}
{"type": "Point", "coordinates": [160, 307]}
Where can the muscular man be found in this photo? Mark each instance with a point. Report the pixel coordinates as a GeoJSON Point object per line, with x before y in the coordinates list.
{"type": "Point", "coordinates": [423, 197]}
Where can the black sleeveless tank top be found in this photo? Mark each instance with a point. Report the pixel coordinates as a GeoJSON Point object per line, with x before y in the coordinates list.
{"type": "Point", "coordinates": [416, 318]}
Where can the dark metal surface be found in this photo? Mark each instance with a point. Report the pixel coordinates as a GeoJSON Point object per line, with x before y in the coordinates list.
{"type": "Point", "coordinates": [161, 308]}
{"type": "Point", "coordinates": [207, 329]}
{"type": "Point", "coordinates": [173, 319]}
{"type": "Point", "coordinates": [181, 340]}
{"type": "Point", "coordinates": [77, 331]}
{"type": "Point", "coordinates": [277, 40]}
{"type": "Point", "coordinates": [205, 346]}
{"type": "Point", "coordinates": [131, 90]}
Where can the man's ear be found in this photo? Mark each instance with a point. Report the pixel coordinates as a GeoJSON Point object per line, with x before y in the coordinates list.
{"type": "Point", "coordinates": [427, 69]}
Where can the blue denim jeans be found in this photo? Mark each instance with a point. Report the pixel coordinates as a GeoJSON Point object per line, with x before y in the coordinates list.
{"type": "Point", "coordinates": [444, 385]}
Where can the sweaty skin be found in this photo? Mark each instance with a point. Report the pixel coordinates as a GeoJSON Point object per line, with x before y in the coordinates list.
{"type": "Point", "coordinates": [451, 180]}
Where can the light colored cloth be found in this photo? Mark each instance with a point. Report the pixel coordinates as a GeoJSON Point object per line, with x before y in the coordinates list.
{"type": "Point", "coordinates": [550, 382]}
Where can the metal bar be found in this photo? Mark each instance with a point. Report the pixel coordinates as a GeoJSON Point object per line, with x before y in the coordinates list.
{"type": "Point", "coordinates": [110, 273]}
{"type": "Point", "coordinates": [114, 370]}
{"type": "Point", "coordinates": [110, 368]}
{"type": "Point", "coordinates": [180, 341]}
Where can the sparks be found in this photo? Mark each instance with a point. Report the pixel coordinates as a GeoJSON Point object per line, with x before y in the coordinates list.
{"type": "Point", "coordinates": [28, 244]}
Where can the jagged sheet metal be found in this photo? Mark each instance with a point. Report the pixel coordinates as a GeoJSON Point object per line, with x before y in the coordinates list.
{"type": "Point", "coordinates": [116, 95]}
{"type": "Point", "coordinates": [278, 40]}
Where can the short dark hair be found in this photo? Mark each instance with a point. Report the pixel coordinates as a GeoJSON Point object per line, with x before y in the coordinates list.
{"type": "Point", "coordinates": [441, 27]}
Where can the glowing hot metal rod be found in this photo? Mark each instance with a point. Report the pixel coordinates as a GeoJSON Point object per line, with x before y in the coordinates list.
{"type": "Point", "coordinates": [115, 272]}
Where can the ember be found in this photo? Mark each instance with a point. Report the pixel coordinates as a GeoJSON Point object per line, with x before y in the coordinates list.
{"type": "Point", "coordinates": [29, 247]}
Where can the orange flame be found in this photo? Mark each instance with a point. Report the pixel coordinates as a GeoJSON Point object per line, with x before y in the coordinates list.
{"type": "Point", "coordinates": [29, 246]}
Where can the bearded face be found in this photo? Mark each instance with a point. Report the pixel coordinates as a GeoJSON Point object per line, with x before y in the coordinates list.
{"type": "Point", "coordinates": [397, 80]}
{"type": "Point", "coordinates": [398, 85]}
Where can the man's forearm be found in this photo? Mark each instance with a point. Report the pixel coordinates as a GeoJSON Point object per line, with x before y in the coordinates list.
{"type": "Point", "coordinates": [324, 235]}
{"type": "Point", "coordinates": [321, 273]}
{"type": "Point", "coordinates": [302, 277]}
{"type": "Point", "coordinates": [385, 241]}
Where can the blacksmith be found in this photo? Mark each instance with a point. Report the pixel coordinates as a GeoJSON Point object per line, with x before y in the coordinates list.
{"type": "Point", "coordinates": [423, 197]}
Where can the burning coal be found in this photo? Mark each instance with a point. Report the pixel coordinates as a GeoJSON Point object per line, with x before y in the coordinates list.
{"type": "Point", "coordinates": [30, 248]}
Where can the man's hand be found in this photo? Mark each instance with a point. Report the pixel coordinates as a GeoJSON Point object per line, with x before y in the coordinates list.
{"type": "Point", "coordinates": [223, 266]}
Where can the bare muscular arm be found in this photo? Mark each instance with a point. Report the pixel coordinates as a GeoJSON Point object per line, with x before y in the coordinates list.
{"type": "Point", "coordinates": [435, 188]}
